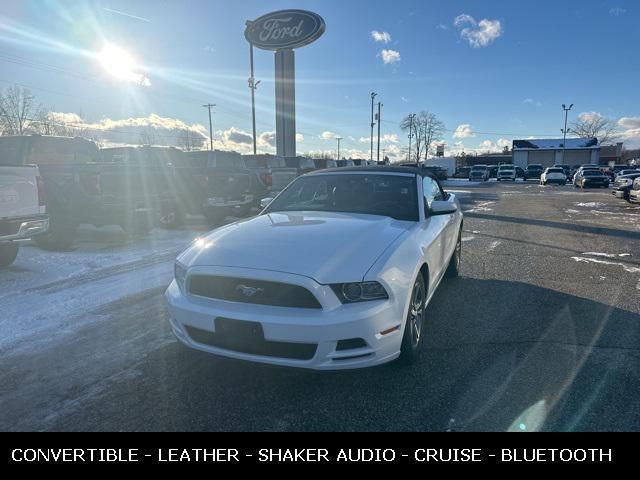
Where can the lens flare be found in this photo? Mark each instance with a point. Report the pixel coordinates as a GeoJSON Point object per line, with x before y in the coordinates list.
{"type": "Point", "coordinates": [120, 64]}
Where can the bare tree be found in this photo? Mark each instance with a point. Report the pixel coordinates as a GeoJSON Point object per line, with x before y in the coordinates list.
{"type": "Point", "coordinates": [427, 130]}
{"type": "Point", "coordinates": [595, 125]}
{"type": "Point", "coordinates": [188, 141]}
{"type": "Point", "coordinates": [148, 137]}
{"type": "Point", "coordinates": [19, 112]}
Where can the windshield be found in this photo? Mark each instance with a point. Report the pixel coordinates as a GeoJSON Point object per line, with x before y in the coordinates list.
{"type": "Point", "coordinates": [388, 195]}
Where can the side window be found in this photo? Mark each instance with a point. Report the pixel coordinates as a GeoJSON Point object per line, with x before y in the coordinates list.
{"type": "Point", "coordinates": [431, 191]}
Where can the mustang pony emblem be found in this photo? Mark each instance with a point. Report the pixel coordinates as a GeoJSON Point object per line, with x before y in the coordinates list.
{"type": "Point", "coordinates": [248, 291]}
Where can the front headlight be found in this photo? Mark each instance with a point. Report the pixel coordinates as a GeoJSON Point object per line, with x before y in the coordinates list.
{"type": "Point", "coordinates": [359, 291]}
{"type": "Point", "coordinates": [180, 274]}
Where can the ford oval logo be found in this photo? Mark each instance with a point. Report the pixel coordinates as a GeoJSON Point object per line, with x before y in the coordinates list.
{"type": "Point", "coordinates": [284, 29]}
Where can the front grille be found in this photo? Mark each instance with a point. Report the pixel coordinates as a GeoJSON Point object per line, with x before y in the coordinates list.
{"type": "Point", "coordinates": [267, 348]}
{"type": "Point", "coordinates": [257, 292]}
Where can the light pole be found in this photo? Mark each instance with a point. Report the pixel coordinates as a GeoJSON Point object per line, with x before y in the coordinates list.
{"type": "Point", "coordinates": [411, 117]}
{"type": "Point", "coordinates": [208, 106]}
{"type": "Point", "coordinates": [338, 139]}
{"type": "Point", "coordinates": [379, 121]}
{"type": "Point", "coordinates": [253, 85]}
{"type": "Point", "coordinates": [564, 130]}
{"type": "Point", "coordinates": [373, 95]}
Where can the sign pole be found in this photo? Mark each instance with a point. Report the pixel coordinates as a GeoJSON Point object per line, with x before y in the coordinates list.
{"type": "Point", "coordinates": [285, 103]}
{"type": "Point", "coordinates": [252, 86]}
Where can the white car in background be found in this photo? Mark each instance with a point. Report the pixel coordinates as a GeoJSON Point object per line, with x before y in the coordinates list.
{"type": "Point", "coordinates": [335, 273]}
{"type": "Point", "coordinates": [22, 208]}
{"type": "Point", "coordinates": [553, 175]}
{"type": "Point", "coordinates": [506, 172]}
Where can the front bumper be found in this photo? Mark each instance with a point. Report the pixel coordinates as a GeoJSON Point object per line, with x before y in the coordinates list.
{"type": "Point", "coordinates": [323, 327]}
{"type": "Point", "coordinates": [634, 196]}
{"type": "Point", "coordinates": [620, 193]}
{"type": "Point", "coordinates": [23, 228]}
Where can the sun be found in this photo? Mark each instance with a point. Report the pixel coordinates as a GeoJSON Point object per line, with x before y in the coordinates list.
{"type": "Point", "coordinates": [120, 64]}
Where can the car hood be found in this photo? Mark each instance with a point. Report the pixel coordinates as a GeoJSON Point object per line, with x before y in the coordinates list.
{"type": "Point", "coordinates": [328, 247]}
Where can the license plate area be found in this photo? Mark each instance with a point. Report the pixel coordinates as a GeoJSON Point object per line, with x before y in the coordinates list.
{"type": "Point", "coordinates": [239, 334]}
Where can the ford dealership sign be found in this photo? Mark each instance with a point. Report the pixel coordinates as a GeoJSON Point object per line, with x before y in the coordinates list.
{"type": "Point", "coordinates": [285, 29]}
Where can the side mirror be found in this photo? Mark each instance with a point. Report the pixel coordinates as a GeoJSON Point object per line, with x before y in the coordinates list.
{"type": "Point", "coordinates": [441, 207]}
{"type": "Point", "coordinates": [265, 202]}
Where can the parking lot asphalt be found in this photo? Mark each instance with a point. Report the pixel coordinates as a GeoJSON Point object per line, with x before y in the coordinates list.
{"type": "Point", "coordinates": [540, 332]}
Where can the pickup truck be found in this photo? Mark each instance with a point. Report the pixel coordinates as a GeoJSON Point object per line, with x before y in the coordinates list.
{"type": "Point", "coordinates": [214, 183]}
{"type": "Point", "coordinates": [22, 210]}
{"type": "Point", "coordinates": [80, 188]}
{"type": "Point", "coordinates": [270, 174]}
{"type": "Point", "coordinates": [151, 169]}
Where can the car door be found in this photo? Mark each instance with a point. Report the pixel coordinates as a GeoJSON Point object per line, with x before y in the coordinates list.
{"type": "Point", "coordinates": [437, 230]}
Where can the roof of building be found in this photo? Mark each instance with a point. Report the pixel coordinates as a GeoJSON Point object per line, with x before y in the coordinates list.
{"type": "Point", "coordinates": [555, 143]}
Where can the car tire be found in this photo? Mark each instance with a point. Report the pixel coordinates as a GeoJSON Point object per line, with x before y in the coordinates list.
{"type": "Point", "coordinates": [59, 237]}
{"type": "Point", "coordinates": [171, 218]}
{"type": "Point", "coordinates": [8, 253]}
{"type": "Point", "coordinates": [453, 269]}
{"type": "Point", "coordinates": [414, 326]}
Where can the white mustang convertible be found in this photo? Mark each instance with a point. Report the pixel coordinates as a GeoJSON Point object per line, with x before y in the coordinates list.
{"type": "Point", "coordinates": [335, 273]}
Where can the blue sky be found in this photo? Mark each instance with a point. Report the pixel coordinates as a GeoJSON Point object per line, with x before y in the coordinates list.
{"type": "Point", "coordinates": [501, 71]}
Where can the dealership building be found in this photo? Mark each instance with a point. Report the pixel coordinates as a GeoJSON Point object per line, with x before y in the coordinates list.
{"type": "Point", "coordinates": [548, 152]}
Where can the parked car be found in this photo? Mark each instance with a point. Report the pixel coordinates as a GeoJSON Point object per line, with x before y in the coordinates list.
{"type": "Point", "coordinates": [439, 172]}
{"type": "Point", "coordinates": [462, 172]}
{"type": "Point", "coordinates": [215, 184]}
{"type": "Point", "coordinates": [533, 171]}
{"type": "Point", "coordinates": [590, 178]}
{"type": "Point", "coordinates": [335, 273]}
{"type": "Point", "coordinates": [520, 173]}
{"type": "Point", "coordinates": [492, 172]}
{"type": "Point", "coordinates": [634, 193]}
{"type": "Point", "coordinates": [79, 188]}
{"type": "Point", "coordinates": [22, 210]}
{"type": "Point", "coordinates": [506, 172]}
{"type": "Point", "coordinates": [553, 175]}
{"type": "Point", "coordinates": [322, 163]}
{"type": "Point", "coordinates": [270, 173]}
{"type": "Point", "coordinates": [627, 171]}
{"type": "Point", "coordinates": [622, 185]}
{"type": "Point", "coordinates": [345, 163]}
{"type": "Point", "coordinates": [301, 164]}
{"type": "Point", "coordinates": [566, 168]}
{"type": "Point", "coordinates": [478, 172]}
{"type": "Point", "coordinates": [581, 168]}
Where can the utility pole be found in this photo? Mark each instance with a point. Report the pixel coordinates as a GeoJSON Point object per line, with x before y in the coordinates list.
{"type": "Point", "coordinates": [411, 117]}
{"type": "Point", "coordinates": [208, 106]}
{"type": "Point", "coordinates": [252, 86]}
{"type": "Point", "coordinates": [379, 121]}
{"type": "Point", "coordinates": [373, 95]}
{"type": "Point", "coordinates": [564, 130]}
{"type": "Point", "coordinates": [338, 139]}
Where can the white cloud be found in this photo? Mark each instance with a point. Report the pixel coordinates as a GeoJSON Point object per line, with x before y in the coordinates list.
{"type": "Point", "coordinates": [404, 99]}
{"type": "Point", "coordinates": [463, 131]}
{"type": "Point", "coordinates": [384, 37]}
{"type": "Point", "coordinates": [617, 11]}
{"type": "Point", "coordinates": [590, 116]}
{"type": "Point", "coordinates": [267, 138]}
{"type": "Point", "coordinates": [390, 56]}
{"type": "Point", "coordinates": [478, 34]}
{"type": "Point", "coordinates": [386, 138]}
{"type": "Point", "coordinates": [630, 133]}
{"type": "Point", "coordinates": [299, 137]}
{"type": "Point", "coordinates": [327, 135]}
{"type": "Point", "coordinates": [531, 101]}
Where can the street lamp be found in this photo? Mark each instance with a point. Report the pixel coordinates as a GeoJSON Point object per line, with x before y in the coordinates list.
{"type": "Point", "coordinates": [338, 139]}
{"type": "Point", "coordinates": [373, 95]}
{"type": "Point", "coordinates": [564, 130]}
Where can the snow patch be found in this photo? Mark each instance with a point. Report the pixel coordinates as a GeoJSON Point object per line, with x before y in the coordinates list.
{"type": "Point", "coordinates": [608, 255]}
{"type": "Point", "coordinates": [626, 268]}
